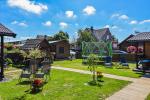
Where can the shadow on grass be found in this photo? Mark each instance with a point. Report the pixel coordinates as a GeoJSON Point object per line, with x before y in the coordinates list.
{"type": "Point", "coordinates": [95, 83]}
{"type": "Point", "coordinates": [24, 83]}
{"type": "Point", "coordinates": [140, 74]}
{"type": "Point", "coordinates": [36, 92]}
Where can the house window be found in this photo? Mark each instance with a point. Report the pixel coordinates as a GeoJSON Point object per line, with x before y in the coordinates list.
{"type": "Point", "coordinates": [61, 49]}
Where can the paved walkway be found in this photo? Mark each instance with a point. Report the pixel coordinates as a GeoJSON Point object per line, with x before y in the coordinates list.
{"type": "Point", "coordinates": [105, 75]}
{"type": "Point", "coordinates": [137, 90]}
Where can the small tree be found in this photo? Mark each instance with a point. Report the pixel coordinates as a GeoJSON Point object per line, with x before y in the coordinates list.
{"type": "Point", "coordinates": [84, 35]}
{"type": "Point", "coordinates": [24, 54]}
{"type": "Point", "coordinates": [91, 61]}
{"type": "Point", "coordinates": [61, 36]}
{"type": "Point", "coordinates": [33, 54]}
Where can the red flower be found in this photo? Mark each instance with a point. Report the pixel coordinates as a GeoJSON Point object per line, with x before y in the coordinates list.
{"type": "Point", "coordinates": [37, 82]}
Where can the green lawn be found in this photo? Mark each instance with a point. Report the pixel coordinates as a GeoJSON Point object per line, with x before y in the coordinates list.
{"type": "Point", "coordinates": [77, 64]}
{"type": "Point", "coordinates": [64, 85]}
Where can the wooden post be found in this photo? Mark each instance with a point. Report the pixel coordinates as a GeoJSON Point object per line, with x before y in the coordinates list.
{"type": "Point", "coordinates": [2, 58]}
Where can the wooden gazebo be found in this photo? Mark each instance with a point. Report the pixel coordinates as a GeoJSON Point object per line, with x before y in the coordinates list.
{"type": "Point", "coordinates": [4, 31]}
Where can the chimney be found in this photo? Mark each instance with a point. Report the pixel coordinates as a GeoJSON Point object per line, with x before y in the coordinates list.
{"type": "Point", "coordinates": [92, 29]}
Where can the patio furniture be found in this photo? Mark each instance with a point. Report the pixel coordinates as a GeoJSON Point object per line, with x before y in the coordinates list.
{"type": "Point", "coordinates": [45, 71]}
{"type": "Point", "coordinates": [123, 63]}
{"type": "Point", "coordinates": [27, 70]}
{"type": "Point", "coordinates": [108, 61]}
{"type": "Point", "coordinates": [144, 66]}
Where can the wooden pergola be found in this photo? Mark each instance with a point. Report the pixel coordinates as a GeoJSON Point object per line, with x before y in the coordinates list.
{"type": "Point", "coordinates": [4, 31]}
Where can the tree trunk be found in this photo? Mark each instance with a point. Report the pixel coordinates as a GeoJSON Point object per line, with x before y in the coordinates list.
{"type": "Point", "coordinates": [94, 74]}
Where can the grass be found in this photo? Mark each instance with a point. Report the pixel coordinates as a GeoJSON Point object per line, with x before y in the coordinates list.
{"type": "Point", "coordinates": [77, 64]}
{"type": "Point", "coordinates": [148, 97]}
{"type": "Point", "coordinates": [64, 85]}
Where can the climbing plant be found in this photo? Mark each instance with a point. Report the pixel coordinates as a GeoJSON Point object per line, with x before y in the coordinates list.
{"type": "Point", "coordinates": [99, 48]}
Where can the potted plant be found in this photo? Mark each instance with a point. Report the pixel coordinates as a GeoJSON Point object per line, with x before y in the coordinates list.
{"type": "Point", "coordinates": [36, 85]}
{"type": "Point", "coordinates": [34, 55]}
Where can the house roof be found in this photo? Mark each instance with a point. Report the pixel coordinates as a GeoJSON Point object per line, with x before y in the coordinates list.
{"type": "Point", "coordinates": [144, 36]}
{"type": "Point", "coordinates": [100, 33]}
{"type": "Point", "coordinates": [52, 42]}
{"type": "Point", "coordinates": [126, 39]}
{"type": "Point", "coordinates": [4, 31]}
{"type": "Point", "coordinates": [32, 43]}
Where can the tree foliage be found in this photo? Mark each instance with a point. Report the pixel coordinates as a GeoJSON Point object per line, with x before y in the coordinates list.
{"type": "Point", "coordinates": [61, 36]}
{"type": "Point", "coordinates": [84, 35]}
{"type": "Point", "coordinates": [33, 54]}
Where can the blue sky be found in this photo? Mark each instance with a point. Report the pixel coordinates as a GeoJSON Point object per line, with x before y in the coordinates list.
{"type": "Point", "coordinates": [28, 18]}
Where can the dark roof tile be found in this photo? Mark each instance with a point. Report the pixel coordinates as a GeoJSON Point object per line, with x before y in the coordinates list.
{"type": "Point", "coordinates": [144, 36]}
{"type": "Point", "coordinates": [5, 31]}
{"type": "Point", "coordinates": [31, 43]}
{"type": "Point", "coordinates": [98, 34]}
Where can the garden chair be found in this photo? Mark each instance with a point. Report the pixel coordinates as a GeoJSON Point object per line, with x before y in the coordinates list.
{"type": "Point", "coordinates": [27, 70]}
{"type": "Point", "coordinates": [45, 71]}
{"type": "Point", "coordinates": [139, 68]}
{"type": "Point", "coordinates": [108, 61]}
{"type": "Point", "coordinates": [123, 63]}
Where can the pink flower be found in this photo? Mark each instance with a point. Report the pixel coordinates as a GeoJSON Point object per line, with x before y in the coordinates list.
{"type": "Point", "coordinates": [131, 49]}
{"type": "Point", "coordinates": [140, 50]}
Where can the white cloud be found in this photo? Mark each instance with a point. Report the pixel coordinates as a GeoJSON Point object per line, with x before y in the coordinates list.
{"type": "Point", "coordinates": [89, 10]}
{"type": "Point", "coordinates": [19, 23]}
{"type": "Point", "coordinates": [63, 25]}
{"type": "Point", "coordinates": [14, 22]}
{"type": "Point", "coordinates": [107, 26]}
{"type": "Point", "coordinates": [115, 15]}
{"type": "Point", "coordinates": [47, 23]}
{"type": "Point", "coordinates": [70, 14]}
{"type": "Point", "coordinates": [119, 16]}
{"type": "Point", "coordinates": [145, 21]}
{"type": "Point", "coordinates": [22, 24]}
{"type": "Point", "coordinates": [133, 22]}
{"type": "Point", "coordinates": [114, 27]}
{"type": "Point", "coordinates": [123, 17]}
{"type": "Point", "coordinates": [28, 5]}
